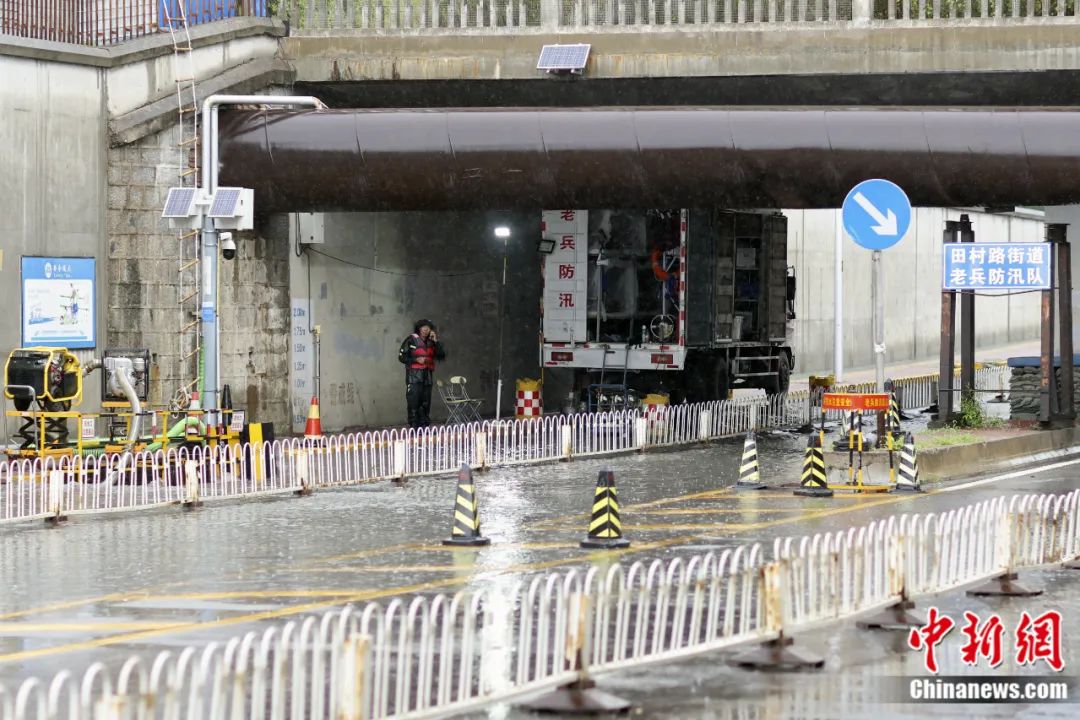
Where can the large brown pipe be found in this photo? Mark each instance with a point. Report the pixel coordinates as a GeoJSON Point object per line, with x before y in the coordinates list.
{"type": "Point", "coordinates": [373, 160]}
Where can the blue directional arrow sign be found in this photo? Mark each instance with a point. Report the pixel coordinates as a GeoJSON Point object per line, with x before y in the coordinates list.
{"type": "Point", "coordinates": [877, 214]}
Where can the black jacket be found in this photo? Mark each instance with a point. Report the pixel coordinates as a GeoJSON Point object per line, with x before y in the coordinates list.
{"type": "Point", "coordinates": [405, 356]}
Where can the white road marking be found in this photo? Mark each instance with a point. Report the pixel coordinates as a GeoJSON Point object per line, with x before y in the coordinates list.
{"type": "Point", "coordinates": [1007, 476]}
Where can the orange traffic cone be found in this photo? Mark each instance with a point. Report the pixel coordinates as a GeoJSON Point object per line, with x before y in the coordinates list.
{"type": "Point", "coordinates": [313, 429]}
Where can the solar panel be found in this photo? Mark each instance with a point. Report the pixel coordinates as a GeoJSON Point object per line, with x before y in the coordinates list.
{"type": "Point", "coordinates": [180, 203]}
{"type": "Point", "coordinates": [226, 203]}
{"type": "Point", "coordinates": [563, 57]}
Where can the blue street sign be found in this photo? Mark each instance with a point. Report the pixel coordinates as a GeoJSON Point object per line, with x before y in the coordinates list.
{"type": "Point", "coordinates": [877, 214]}
{"type": "Point", "coordinates": [995, 266]}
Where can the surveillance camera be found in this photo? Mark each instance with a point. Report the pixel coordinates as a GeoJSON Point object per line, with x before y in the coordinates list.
{"type": "Point", "coordinates": [228, 246]}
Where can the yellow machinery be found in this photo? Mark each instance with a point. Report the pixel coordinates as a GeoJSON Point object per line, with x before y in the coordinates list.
{"type": "Point", "coordinates": [51, 378]}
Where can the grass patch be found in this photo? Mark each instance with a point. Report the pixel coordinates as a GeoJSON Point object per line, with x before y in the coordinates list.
{"type": "Point", "coordinates": [946, 437]}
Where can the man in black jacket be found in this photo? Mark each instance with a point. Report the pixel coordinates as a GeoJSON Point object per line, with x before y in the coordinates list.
{"type": "Point", "coordinates": [418, 353]}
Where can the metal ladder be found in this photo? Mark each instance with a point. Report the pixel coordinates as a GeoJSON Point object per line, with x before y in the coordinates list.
{"type": "Point", "coordinates": [187, 370]}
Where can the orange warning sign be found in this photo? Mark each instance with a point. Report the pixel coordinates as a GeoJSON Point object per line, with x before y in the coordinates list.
{"type": "Point", "coordinates": [865, 402]}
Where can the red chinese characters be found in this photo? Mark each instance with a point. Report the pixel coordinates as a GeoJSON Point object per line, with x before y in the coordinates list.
{"type": "Point", "coordinates": [566, 300]}
{"type": "Point", "coordinates": [567, 243]}
{"type": "Point", "coordinates": [566, 272]}
{"type": "Point", "coordinates": [1039, 639]}
{"type": "Point", "coordinates": [567, 215]}
{"type": "Point", "coordinates": [982, 641]}
{"type": "Point", "coordinates": [1034, 639]}
{"type": "Point", "coordinates": [930, 636]}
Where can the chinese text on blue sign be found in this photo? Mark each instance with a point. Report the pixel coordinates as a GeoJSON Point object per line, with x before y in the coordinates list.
{"type": "Point", "coordinates": [996, 266]}
{"type": "Point", "coordinates": [58, 302]}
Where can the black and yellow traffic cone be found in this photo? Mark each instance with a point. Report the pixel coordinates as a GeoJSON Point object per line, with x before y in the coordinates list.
{"type": "Point", "coordinates": [813, 482]}
{"type": "Point", "coordinates": [749, 468]}
{"type": "Point", "coordinates": [605, 526]}
{"type": "Point", "coordinates": [465, 529]}
{"type": "Point", "coordinates": [907, 480]}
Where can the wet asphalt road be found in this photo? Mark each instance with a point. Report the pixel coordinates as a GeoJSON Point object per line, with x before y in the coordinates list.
{"type": "Point", "coordinates": [102, 589]}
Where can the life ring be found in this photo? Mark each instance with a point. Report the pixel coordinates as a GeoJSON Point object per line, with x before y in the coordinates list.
{"type": "Point", "coordinates": [658, 268]}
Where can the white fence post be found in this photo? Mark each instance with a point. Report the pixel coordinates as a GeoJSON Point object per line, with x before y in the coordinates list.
{"type": "Point", "coordinates": [567, 441]}
{"type": "Point", "coordinates": [354, 667]}
{"type": "Point", "coordinates": [191, 485]}
{"type": "Point", "coordinates": [399, 459]}
{"type": "Point", "coordinates": [480, 443]}
{"type": "Point", "coordinates": [302, 472]}
{"type": "Point", "coordinates": [56, 496]}
{"type": "Point", "coordinates": [110, 707]}
{"type": "Point", "coordinates": [705, 425]}
{"type": "Point", "coordinates": [773, 590]}
{"type": "Point", "coordinates": [641, 433]}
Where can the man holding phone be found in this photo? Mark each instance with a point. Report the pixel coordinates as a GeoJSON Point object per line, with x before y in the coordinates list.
{"type": "Point", "coordinates": [418, 353]}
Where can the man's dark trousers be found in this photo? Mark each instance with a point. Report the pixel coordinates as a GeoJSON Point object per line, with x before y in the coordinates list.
{"type": "Point", "coordinates": [418, 401]}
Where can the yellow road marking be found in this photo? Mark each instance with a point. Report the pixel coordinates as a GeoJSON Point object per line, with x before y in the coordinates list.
{"type": "Point", "coordinates": [552, 521]}
{"type": "Point", "coordinates": [19, 628]}
{"type": "Point", "coordinates": [370, 553]}
{"type": "Point", "coordinates": [693, 526]}
{"type": "Point", "coordinates": [720, 511]}
{"type": "Point", "coordinates": [790, 496]}
{"type": "Point", "coordinates": [386, 568]}
{"type": "Point", "coordinates": [340, 598]}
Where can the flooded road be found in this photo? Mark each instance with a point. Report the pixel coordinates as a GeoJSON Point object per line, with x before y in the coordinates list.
{"type": "Point", "coordinates": [102, 589]}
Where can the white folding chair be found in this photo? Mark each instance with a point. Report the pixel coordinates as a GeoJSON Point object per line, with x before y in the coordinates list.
{"type": "Point", "coordinates": [460, 408]}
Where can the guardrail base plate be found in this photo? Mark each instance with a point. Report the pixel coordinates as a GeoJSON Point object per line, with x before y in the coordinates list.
{"type": "Point", "coordinates": [1003, 586]}
{"type": "Point", "coordinates": [778, 656]}
{"type": "Point", "coordinates": [578, 699]}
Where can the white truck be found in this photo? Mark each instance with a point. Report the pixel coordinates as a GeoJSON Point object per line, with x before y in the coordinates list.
{"type": "Point", "coordinates": [688, 302]}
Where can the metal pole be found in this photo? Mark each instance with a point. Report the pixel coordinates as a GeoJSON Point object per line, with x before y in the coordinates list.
{"type": "Point", "coordinates": [209, 326]}
{"type": "Point", "coordinates": [1057, 233]}
{"type": "Point", "coordinates": [879, 322]}
{"type": "Point", "coordinates": [1046, 383]}
{"type": "Point", "coordinates": [838, 291]}
{"type": "Point", "coordinates": [502, 314]}
{"type": "Point", "coordinates": [208, 320]}
{"type": "Point", "coordinates": [948, 338]}
{"type": "Point", "coordinates": [948, 351]}
{"type": "Point", "coordinates": [967, 323]}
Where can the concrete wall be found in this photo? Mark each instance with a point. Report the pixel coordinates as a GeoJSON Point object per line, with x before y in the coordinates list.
{"type": "Point", "coordinates": [722, 50]}
{"type": "Point", "coordinates": [377, 273]}
{"type": "Point", "coordinates": [89, 147]}
{"type": "Point", "coordinates": [144, 308]}
{"type": "Point", "coordinates": [52, 187]}
{"type": "Point", "coordinates": [912, 290]}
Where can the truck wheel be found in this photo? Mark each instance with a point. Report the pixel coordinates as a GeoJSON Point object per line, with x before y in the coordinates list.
{"type": "Point", "coordinates": [782, 381]}
{"type": "Point", "coordinates": [721, 383]}
{"type": "Point", "coordinates": [784, 376]}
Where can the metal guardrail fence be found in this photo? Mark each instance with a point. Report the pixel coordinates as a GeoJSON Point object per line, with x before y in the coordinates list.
{"type": "Point", "coordinates": [433, 655]}
{"type": "Point", "coordinates": [100, 23]}
{"type": "Point", "coordinates": [508, 16]}
{"type": "Point", "coordinates": [59, 487]}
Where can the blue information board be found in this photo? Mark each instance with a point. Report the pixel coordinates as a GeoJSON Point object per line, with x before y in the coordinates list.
{"type": "Point", "coordinates": [58, 302]}
{"type": "Point", "coordinates": [996, 266]}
